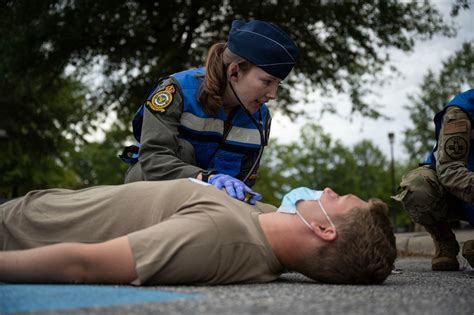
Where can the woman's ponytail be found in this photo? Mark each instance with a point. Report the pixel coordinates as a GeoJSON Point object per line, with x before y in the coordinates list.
{"type": "Point", "coordinates": [213, 87]}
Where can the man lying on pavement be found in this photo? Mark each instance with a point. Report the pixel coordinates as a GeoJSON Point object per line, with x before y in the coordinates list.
{"type": "Point", "coordinates": [185, 231]}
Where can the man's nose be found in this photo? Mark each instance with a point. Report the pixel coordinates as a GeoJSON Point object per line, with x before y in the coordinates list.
{"type": "Point", "coordinates": [329, 191]}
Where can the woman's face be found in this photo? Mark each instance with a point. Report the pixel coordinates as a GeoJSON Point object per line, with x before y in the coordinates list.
{"type": "Point", "coordinates": [254, 87]}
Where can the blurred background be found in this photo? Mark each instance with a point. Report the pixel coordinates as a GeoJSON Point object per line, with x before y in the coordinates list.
{"type": "Point", "coordinates": [354, 115]}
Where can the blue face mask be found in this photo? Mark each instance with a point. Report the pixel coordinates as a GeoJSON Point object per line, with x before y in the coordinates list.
{"type": "Point", "coordinates": [288, 204]}
{"type": "Point", "coordinates": [289, 201]}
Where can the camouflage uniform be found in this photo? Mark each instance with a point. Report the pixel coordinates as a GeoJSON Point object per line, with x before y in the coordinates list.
{"type": "Point", "coordinates": [433, 194]}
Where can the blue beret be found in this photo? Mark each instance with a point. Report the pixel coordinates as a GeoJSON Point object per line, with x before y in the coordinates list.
{"type": "Point", "coordinates": [265, 45]}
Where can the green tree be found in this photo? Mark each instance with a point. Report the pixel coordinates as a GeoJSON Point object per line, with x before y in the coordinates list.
{"type": "Point", "coordinates": [35, 146]}
{"type": "Point", "coordinates": [317, 161]}
{"type": "Point", "coordinates": [340, 41]}
{"type": "Point", "coordinates": [51, 48]}
{"type": "Point", "coordinates": [96, 163]}
{"type": "Point", "coordinates": [456, 75]}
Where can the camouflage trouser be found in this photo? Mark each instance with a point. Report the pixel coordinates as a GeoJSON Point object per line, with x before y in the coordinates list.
{"type": "Point", "coordinates": [425, 199]}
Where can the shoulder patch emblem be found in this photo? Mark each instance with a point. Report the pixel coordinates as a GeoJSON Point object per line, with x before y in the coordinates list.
{"type": "Point", "coordinates": [455, 127]}
{"type": "Point", "coordinates": [161, 99]}
{"type": "Point", "coordinates": [455, 147]}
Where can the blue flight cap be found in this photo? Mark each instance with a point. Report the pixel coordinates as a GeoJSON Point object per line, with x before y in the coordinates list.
{"type": "Point", "coordinates": [265, 45]}
{"type": "Point", "coordinates": [463, 99]}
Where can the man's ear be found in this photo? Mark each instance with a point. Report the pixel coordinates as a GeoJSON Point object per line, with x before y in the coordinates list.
{"type": "Point", "coordinates": [326, 233]}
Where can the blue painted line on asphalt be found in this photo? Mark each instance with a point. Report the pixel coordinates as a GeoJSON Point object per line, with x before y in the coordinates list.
{"type": "Point", "coordinates": [31, 298]}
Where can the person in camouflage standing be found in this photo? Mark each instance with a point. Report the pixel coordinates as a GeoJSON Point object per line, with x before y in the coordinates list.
{"type": "Point", "coordinates": [442, 189]}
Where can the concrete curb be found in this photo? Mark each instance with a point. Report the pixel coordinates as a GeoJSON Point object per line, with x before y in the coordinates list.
{"type": "Point", "coordinates": [420, 243]}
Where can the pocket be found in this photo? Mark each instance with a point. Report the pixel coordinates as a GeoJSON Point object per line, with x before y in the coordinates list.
{"type": "Point", "coordinates": [203, 152]}
{"type": "Point", "coordinates": [229, 163]}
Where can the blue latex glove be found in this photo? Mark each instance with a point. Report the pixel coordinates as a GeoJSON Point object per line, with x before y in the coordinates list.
{"type": "Point", "coordinates": [234, 187]}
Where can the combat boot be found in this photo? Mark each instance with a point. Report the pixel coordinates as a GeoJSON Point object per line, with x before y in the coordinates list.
{"type": "Point", "coordinates": [445, 256]}
{"type": "Point", "coordinates": [468, 252]}
{"type": "Point", "coordinates": [446, 246]}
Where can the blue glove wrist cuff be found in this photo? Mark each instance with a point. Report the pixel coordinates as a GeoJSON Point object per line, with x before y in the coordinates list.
{"type": "Point", "coordinates": [207, 173]}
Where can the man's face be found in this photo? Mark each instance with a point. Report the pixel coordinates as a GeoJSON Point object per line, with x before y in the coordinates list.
{"type": "Point", "coordinates": [336, 205]}
{"type": "Point", "coordinates": [255, 88]}
{"type": "Point", "coordinates": [329, 206]}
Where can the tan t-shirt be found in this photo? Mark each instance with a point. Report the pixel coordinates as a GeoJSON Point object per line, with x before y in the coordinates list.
{"type": "Point", "coordinates": [179, 231]}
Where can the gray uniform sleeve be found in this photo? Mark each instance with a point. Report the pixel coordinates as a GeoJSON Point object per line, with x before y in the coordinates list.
{"type": "Point", "coordinates": [162, 154]}
{"type": "Point", "coordinates": [453, 153]}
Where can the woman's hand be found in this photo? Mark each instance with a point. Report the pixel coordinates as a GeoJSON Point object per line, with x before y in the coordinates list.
{"type": "Point", "coordinates": [235, 188]}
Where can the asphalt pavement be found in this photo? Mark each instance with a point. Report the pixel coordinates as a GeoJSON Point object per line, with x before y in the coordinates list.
{"type": "Point", "coordinates": [412, 289]}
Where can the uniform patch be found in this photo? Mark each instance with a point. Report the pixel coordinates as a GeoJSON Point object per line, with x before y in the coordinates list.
{"type": "Point", "coordinates": [455, 147]}
{"type": "Point", "coordinates": [161, 99]}
{"type": "Point", "coordinates": [455, 127]}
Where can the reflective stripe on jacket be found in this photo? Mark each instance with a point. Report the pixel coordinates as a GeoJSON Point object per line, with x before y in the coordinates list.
{"type": "Point", "coordinates": [227, 143]}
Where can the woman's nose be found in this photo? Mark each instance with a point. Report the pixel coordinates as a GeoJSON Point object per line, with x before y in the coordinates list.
{"type": "Point", "coordinates": [272, 92]}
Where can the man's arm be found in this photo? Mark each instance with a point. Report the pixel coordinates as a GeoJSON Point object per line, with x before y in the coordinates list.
{"type": "Point", "coordinates": [453, 153]}
{"type": "Point", "coordinates": [107, 262]}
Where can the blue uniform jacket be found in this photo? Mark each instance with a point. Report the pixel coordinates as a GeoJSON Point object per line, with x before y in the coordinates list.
{"type": "Point", "coordinates": [229, 144]}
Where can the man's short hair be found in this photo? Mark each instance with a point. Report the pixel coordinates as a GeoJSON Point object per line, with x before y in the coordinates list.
{"type": "Point", "coordinates": [363, 252]}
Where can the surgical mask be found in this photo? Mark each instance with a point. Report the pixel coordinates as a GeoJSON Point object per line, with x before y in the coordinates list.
{"type": "Point", "coordinates": [289, 201]}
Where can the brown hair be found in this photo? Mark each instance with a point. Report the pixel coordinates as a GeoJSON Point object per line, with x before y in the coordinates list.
{"type": "Point", "coordinates": [363, 252]}
{"type": "Point", "coordinates": [215, 80]}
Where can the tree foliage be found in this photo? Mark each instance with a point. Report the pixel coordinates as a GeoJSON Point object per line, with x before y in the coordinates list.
{"type": "Point", "coordinates": [35, 150]}
{"type": "Point", "coordinates": [96, 163]}
{"type": "Point", "coordinates": [340, 41]}
{"type": "Point", "coordinates": [317, 161]}
{"type": "Point", "coordinates": [64, 64]}
{"type": "Point", "coordinates": [456, 75]}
